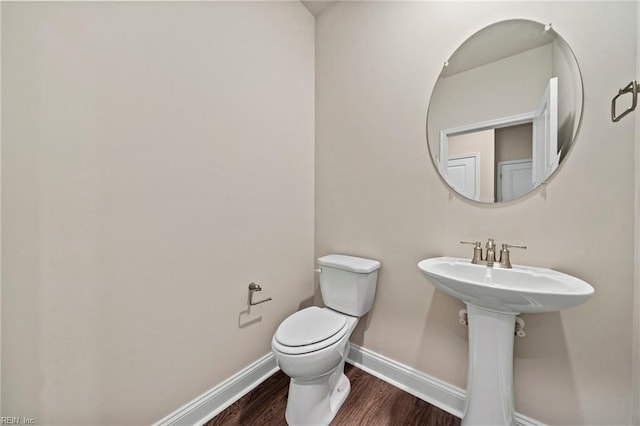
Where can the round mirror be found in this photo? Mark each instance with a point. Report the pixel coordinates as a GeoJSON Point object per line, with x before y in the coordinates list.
{"type": "Point", "coordinates": [505, 111]}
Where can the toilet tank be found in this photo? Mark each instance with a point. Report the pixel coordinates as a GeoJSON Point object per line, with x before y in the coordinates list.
{"type": "Point", "coordinates": [348, 283]}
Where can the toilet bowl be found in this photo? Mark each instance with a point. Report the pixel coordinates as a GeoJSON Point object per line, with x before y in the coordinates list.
{"type": "Point", "coordinates": [311, 345]}
{"type": "Point", "coordinates": [305, 357]}
{"type": "Point", "coordinates": [318, 386]}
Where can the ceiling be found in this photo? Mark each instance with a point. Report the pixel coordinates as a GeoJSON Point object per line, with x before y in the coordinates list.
{"type": "Point", "coordinates": [316, 7]}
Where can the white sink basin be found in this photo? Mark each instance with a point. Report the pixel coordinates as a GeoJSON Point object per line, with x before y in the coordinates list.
{"type": "Point", "coordinates": [521, 289]}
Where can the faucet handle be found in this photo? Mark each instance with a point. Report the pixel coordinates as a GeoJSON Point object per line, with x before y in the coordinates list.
{"type": "Point", "coordinates": [508, 246]}
{"type": "Point", "coordinates": [477, 250]}
{"type": "Point", "coordinates": [505, 260]}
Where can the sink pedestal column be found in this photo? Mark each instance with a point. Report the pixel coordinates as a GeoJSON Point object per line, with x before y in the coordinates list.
{"type": "Point", "coordinates": [489, 399]}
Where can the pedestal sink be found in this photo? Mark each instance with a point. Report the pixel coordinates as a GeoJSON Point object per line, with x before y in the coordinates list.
{"type": "Point", "coordinates": [494, 296]}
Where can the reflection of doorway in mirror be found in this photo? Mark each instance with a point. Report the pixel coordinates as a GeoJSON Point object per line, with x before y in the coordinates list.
{"type": "Point", "coordinates": [513, 179]}
{"type": "Point", "coordinates": [509, 147]}
{"type": "Point", "coordinates": [532, 135]}
{"type": "Point", "coordinates": [463, 174]}
{"type": "Point", "coordinates": [545, 134]}
{"type": "Point", "coordinates": [513, 161]}
{"type": "Point", "coordinates": [483, 143]}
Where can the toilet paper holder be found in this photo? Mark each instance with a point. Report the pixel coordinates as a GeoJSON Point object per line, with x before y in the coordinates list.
{"type": "Point", "coordinates": [253, 287]}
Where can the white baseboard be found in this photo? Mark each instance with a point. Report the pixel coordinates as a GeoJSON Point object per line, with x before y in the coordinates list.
{"type": "Point", "coordinates": [434, 391]}
{"type": "Point", "coordinates": [215, 400]}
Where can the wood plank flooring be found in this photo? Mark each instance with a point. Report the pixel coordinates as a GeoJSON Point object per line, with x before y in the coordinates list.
{"type": "Point", "coordinates": [372, 402]}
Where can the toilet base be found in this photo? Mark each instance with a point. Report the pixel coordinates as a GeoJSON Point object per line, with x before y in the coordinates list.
{"type": "Point", "coordinates": [316, 402]}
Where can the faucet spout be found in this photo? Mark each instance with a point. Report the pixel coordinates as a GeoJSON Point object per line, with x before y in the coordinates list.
{"type": "Point", "coordinates": [491, 252]}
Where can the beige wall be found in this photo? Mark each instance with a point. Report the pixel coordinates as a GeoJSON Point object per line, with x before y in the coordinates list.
{"type": "Point", "coordinates": [1, 223]}
{"type": "Point", "coordinates": [156, 158]}
{"type": "Point", "coordinates": [379, 195]}
{"type": "Point", "coordinates": [635, 376]}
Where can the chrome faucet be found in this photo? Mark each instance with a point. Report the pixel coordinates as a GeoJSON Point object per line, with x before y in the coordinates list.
{"type": "Point", "coordinates": [490, 260]}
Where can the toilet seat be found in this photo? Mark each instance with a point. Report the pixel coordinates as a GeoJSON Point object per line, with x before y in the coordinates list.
{"type": "Point", "coordinates": [310, 330]}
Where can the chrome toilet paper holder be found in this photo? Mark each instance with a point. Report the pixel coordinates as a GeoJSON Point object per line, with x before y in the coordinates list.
{"type": "Point", "coordinates": [253, 287]}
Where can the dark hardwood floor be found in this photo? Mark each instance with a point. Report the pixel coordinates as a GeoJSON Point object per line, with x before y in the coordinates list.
{"type": "Point", "coordinates": [371, 402]}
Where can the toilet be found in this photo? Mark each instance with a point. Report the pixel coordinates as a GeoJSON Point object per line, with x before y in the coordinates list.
{"type": "Point", "coordinates": [311, 345]}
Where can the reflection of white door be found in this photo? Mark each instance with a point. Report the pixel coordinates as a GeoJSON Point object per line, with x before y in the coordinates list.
{"type": "Point", "coordinates": [514, 179]}
{"type": "Point", "coordinates": [463, 174]}
{"type": "Point", "coordinates": [545, 134]}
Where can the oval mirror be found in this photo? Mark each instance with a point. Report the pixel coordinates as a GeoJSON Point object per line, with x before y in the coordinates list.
{"type": "Point", "coordinates": [505, 111]}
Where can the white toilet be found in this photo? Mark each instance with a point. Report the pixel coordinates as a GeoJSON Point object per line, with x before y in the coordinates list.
{"type": "Point", "coordinates": [311, 345]}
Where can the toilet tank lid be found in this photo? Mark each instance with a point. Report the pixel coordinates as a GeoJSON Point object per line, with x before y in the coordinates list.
{"type": "Point", "coordinates": [349, 263]}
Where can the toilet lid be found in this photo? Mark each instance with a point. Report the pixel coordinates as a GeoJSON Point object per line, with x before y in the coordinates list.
{"type": "Point", "coordinates": [309, 326]}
